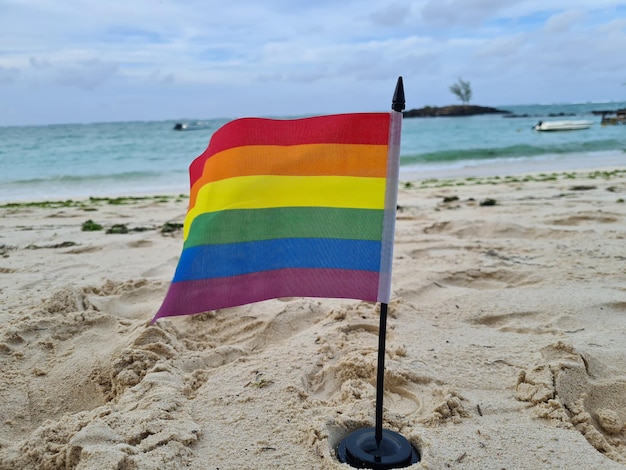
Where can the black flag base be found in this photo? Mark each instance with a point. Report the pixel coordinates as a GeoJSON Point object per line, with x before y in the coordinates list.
{"type": "Point", "coordinates": [360, 449]}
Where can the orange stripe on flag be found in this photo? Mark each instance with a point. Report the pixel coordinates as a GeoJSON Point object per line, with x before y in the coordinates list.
{"type": "Point", "coordinates": [309, 160]}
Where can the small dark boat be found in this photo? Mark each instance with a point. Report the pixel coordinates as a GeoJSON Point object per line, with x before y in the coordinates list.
{"type": "Point", "coordinates": [185, 126]}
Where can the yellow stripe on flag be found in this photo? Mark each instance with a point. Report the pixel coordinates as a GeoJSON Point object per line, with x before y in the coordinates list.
{"type": "Point", "coordinates": [264, 191]}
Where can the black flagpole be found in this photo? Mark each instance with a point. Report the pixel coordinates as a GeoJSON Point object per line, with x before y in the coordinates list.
{"type": "Point", "coordinates": [379, 448]}
{"type": "Point", "coordinates": [380, 373]}
{"type": "Point", "coordinates": [397, 104]}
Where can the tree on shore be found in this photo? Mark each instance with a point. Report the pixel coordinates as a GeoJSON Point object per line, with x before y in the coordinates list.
{"type": "Point", "coordinates": [462, 90]}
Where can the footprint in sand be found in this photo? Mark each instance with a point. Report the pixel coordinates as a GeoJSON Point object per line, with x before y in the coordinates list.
{"type": "Point", "coordinates": [133, 300]}
{"type": "Point", "coordinates": [477, 229]}
{"type": "Point", "coordinates": [582, 391]}
{"type": "Point", "coordinates": [252, 327]}
{"type": "Point", "coordinates": [587, 218]}
{"type": "Point", "coordinates": [517, 322]}
{"type": "Point", "coordinates": [59, 344]}
{"type": "Point", "coordinates": [488, 278]}
{"type": "Point", "coordinates": [408, 397]}
{"type": "Point", "coordinates": [346, 373]}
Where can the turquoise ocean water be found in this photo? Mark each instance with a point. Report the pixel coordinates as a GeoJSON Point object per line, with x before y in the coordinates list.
{"type": "Point", "coordinates": [131, 158]}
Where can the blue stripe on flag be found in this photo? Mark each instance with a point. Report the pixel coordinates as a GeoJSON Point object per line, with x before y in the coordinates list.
{"type": "Point", "coordinates": [213, 261]}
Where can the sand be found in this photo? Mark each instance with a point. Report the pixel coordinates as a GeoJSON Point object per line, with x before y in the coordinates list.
{"type": "Point", "coordinates": [505, 342]}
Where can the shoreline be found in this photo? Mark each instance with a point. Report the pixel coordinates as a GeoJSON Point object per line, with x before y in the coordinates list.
{"type": "Point", "coordinates": [573, 162]}
{"type": "Point", "coordinates": [519, 166]}
{"type": "Point", "coordinates": [427, 173]}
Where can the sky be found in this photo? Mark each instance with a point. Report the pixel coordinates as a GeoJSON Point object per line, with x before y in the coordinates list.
{"type": "Point", "coordinates": [84, 61]}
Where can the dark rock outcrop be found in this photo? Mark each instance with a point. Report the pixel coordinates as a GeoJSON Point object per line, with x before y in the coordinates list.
{"type": "Point", "coordinates": [449, 111]}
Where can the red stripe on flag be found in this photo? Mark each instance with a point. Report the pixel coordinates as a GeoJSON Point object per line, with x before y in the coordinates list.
{"type": "Point", "coordinates": [358, 128]}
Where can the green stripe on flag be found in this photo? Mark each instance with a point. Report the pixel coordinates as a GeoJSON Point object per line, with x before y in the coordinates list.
{"type": "Point", "coordinates": [244, 225]}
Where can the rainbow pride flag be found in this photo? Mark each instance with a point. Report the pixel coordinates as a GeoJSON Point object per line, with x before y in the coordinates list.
{"type": "Point", "coordinates": [290, 208]}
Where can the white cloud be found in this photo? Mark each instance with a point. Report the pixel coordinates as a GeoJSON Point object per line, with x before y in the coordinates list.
{"type": "Point", "coordinates": [460, 12]}
{"type": "Point", "coordinates": [297, 56]}
{"type": "Point", "coordinates": [563, 22]}
{"type": "Point", "coordinates": [8, 75]}
{"type": "Point", "coordinates": [617, 26]}
{"type": "Point", "coordinates": [81, 74]}
{"type": "Point", "coordinates": [501, 47]}
{"type": "Point", "coordinates": [86, 75]}
{"type": "Point", "coordinates": [393, 14]}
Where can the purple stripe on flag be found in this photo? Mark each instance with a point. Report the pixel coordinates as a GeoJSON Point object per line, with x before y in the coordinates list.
{"type": "Point", "coordinates": [189, 297]}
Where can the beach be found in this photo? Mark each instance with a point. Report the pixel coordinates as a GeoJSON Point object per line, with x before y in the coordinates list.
{"type": "Point", "coordinates": [505, 338]}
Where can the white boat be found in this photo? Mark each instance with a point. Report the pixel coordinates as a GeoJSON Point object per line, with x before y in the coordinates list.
{"type": "Point", "coordinates": [562, 125]}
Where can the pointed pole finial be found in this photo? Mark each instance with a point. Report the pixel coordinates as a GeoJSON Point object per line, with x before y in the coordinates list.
{"type": "Point", "coordinates": [398, 102]}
